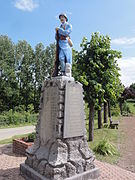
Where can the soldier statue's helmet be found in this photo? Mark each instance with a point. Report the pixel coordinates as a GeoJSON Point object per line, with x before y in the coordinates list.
{"type": "Point", "coordinates": [62, 14]}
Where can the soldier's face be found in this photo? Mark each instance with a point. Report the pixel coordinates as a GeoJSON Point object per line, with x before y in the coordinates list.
{"type": "Point", "coordinates": [62, 19]}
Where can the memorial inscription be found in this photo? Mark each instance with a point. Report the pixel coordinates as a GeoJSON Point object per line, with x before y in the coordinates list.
{"type": "Point", "coordinates": [49, 114]}
{"type": "Point", "coordinates": [74, 111]}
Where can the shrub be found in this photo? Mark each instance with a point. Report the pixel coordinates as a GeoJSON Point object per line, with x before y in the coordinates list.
{"type": "Point", "coordinates": [125, 108]}
{"type": "Point", "coordinates": [105, 125]}
{"type": "Point", "coordinates": [14, 118]}
{"type": "Point", "coordinates": [20, 108]}
{"type": "Point", "coordinates": [105, 148]}
{"type": "Point", "coordinates": [115, 110]}
{"type": "Point", "coordinates": [31, 137]}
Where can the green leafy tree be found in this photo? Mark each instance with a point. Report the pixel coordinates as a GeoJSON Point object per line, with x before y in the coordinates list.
{"type": "Point", "coordinates": [9, 91]}
{"type": "Point", "coordinates": [22, 71]}
{"type": "Point", "coordinates": [108, 75]}
{"type": "Point", "coordinates": [24, 56]}
{"type": "Point", "coordinates": [132, 86]}
{"type": "Point", "coordinates": [87, 67]}
{"type": "Point", "coordinates": [48, 62]}
{"type": "Point", "coordinates": [94, 65]}
{"type": "Point", "coordinates": [42, 68]}
{"type": "Point", "coordinates": [37, 74]}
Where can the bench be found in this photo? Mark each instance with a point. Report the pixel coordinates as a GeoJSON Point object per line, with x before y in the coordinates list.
{"type": "Point", "coordinates": [114, 124]}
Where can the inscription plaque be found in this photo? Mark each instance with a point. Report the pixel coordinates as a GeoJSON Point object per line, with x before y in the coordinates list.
{"type": "Point", "coordinates": [49, 114]}
{"type": "Point", "coordinates": [74, 111]}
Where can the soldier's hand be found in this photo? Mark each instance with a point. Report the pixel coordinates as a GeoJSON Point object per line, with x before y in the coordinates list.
{"type": "Point", "coordinates": [56, 28]}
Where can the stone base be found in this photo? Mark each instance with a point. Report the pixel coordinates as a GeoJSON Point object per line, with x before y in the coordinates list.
{"type": "Point", "coordinates": [30, 174]}
{"type": "Point", "coordinates": [60, 150]}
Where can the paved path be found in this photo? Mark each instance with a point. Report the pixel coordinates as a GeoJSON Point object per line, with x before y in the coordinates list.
{"type": "Point", "coordinates": [9, 132]}
{"type": "Point", "coordinates": [127, 146]}
{"type": "Point", "coordinates": [10, 163]}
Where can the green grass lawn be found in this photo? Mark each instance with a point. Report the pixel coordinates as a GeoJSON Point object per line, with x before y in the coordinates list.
{"type": "Point", "coordinates": [9, 140]}
{"type": "Point", "coordinates": [17, 125]}
{"type": "Point", "coordinates": [131, 105]}
{"type": "Point", "coordinates": [112, 135]}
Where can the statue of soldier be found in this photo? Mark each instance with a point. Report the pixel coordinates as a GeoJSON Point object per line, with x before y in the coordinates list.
{"type": "Point", "coordinates": [64, 46]}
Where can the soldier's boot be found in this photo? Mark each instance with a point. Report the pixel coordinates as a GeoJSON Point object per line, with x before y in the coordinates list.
{"type": "Point", "coordinates": [68, 71]}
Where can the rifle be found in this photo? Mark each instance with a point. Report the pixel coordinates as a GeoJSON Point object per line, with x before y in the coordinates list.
{"type": "Point", "coordinates": [56, 63]}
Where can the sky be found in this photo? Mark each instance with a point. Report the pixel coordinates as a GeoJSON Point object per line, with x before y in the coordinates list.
{"type": "Point", "coordinates": [35, 21]}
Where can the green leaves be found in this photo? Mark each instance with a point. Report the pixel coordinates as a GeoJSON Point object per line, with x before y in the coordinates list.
{"type": "Point", "coordinates": [22, 71]}
{"type": "Point", "coordinates": [83, 80]}
{"type": "Point", "coordinates": [97, 68]}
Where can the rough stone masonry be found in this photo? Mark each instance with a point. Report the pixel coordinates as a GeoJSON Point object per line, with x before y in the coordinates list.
{"type": "Point", "coordinates": [60, 150]}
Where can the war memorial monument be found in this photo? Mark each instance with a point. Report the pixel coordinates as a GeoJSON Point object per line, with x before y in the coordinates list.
{"type": "Point", "coordinates": [60, 150]}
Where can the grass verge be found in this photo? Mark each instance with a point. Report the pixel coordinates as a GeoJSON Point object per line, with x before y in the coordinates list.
{"type": "Point", "coordinates": [18, 125]}
{"type": "Point", "coordinates": [131, 105]}
{"type": "Point", "coordinates": [9, 140]}
{"type": "Point", "coordinates": [112, 135]}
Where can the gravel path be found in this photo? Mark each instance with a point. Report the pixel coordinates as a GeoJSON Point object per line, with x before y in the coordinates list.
{"type": "Point", "coordinates": [127, 147]}
{"type": "Point", "coordinates": [9, 132]}
{"type": "Point", "coordinates": [9, 164]}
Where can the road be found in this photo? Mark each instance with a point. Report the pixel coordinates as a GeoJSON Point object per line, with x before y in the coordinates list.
{"type": "Point", "coordinates": [9, 132]}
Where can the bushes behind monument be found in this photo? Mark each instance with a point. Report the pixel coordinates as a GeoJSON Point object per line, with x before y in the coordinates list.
{"type": "Point", "coordinates": [17, 116]}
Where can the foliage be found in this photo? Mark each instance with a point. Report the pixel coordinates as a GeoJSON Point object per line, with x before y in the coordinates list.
{"type": "Point", "coordinates": [16, 118]}
{"type": "Point", "coordinates": [132, 86]}
{"type": "Point", "coordinates": [24, 55]}
{"type": "Point", "coordinates": [97, 69]}
{"type": "Point", "coordinates": [31, 137]}
{"type": "Point", "coordinates": [105, 148]}
{"type": "Point", "coordinates": [115, 110]}
{"type": "Point", "coordinates": [43, 64]}
{"type": "Point", "coordinates": [131, 106]}
{"type": "Point", "coordinates": [22, 71]}
{"type": "Point", "coordinates": [8, 83]}
{"type": "Point", "coordinates": [126, 109]}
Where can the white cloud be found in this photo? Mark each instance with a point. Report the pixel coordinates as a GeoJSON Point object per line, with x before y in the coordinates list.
{"type": "Point", "coordinates": [127, 66]}
{"type": "Point", "coordinates": [26, 5]}
{"type": "Point", "coordinates": [123, 41]}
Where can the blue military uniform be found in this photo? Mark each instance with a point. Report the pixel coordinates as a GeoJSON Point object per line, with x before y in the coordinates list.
{"type": "Point", "coordinates": [65, 51]}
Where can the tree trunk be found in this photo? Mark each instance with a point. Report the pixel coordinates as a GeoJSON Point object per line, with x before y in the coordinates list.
{"type": "Point", "coordinates": [105, 113]}
{"type": "Point", "coordinates": [109, 111]}
{"type": "Point", "coordinates": [100, 115]}
{"type": "Point", "coordinates": [91, 122]}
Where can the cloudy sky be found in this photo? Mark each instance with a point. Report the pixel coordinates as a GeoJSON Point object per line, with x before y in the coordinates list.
{"type": "Point", "coordinates": [35, 21]}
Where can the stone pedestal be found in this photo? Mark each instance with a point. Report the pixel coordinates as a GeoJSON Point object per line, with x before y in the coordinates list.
{"type": "Point", "coordinates": [60, 150]}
